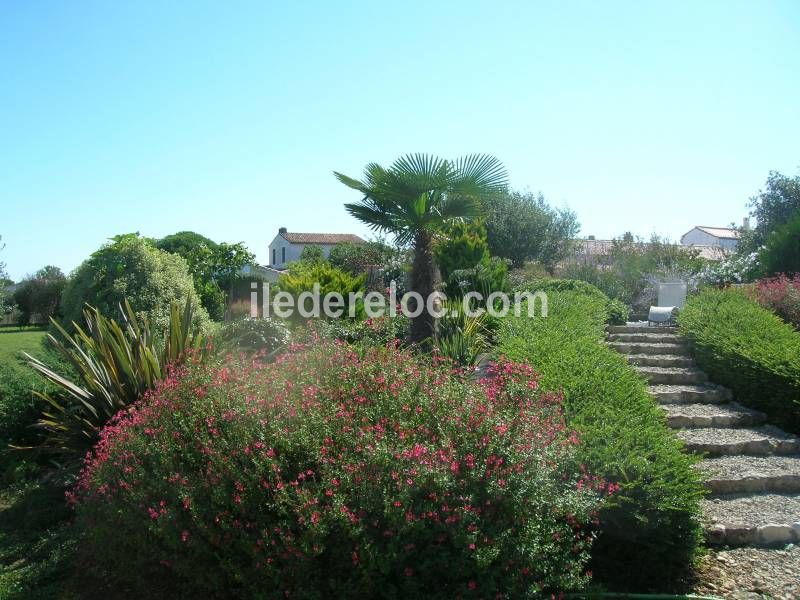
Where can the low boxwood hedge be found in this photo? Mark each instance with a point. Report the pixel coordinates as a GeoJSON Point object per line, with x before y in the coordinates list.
{"type": "Point", "coordinates": [650, 530]}
{"type": "Point", "coordinates": [748, 349]}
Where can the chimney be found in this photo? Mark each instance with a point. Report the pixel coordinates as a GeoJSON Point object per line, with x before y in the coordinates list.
{"type": "Point", "coordinates": [746, 223]}
{"type": "Point", "coordinates": [282, 230]}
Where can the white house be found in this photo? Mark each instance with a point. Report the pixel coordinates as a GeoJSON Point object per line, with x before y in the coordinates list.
{"type": "Point", "coordinates": [721, 237]}
{"type": "Point", "coordinates": [288, 246]}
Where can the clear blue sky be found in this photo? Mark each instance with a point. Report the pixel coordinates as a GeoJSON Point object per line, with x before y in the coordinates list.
{"type": "Point", "coordinates": [228, 118]}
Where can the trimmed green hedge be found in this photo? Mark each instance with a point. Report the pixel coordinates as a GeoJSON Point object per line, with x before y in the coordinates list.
{"type": "Point", "coordinates": [614, 311]}
{"type": "Point", "coordinates": [650, 531]}
{"type": "Point", "coordinates": [748, 349]}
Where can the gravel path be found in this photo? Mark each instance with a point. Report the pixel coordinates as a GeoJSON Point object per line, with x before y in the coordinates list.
{"type": "Point", "coordinates": [759, 509]}
{"type": "Point", "coordinates": [751, 573]}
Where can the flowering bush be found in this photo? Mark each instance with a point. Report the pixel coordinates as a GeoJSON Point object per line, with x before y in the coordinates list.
{"type": "Point", "coordinates": [332, 474]}
{"type": "Point", "coordinates": [736, 268]}
{"type": "Point", "coordinates": [780, 294]}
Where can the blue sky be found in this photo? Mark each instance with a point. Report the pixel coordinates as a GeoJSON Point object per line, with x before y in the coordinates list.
{"type": "Point", "coordinates": [228, 118]}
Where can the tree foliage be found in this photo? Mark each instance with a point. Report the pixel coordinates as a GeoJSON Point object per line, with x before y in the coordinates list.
{"type": "Point", "coordinates": [772, 207]}
{"type": "Point", "coordinates": [132, 268]}
{"type": "Point", "coordinates": [214, 267]}
{"type": "Point", "coordinates": [521, 226]}
{"type": "Point", "coordinates": [5, 300]}
{"type": "Point", "coordinates": [358, 258]}
{"type": "Point", "coordinates": [415, 198]}
{"type": "Point", "coordinates": [38, 296]}
{"type": "Point", "coordinates": [781, 253]}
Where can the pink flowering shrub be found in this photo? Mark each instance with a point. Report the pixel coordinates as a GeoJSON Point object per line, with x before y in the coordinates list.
{"type": "Point", "coordinates": [332, 473]}
{"type": "Point", "coordinates": [780, 294]}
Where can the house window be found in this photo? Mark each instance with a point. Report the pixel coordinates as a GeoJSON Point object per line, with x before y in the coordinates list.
{"type": "Point", "coordinates": [273, 257]}
{"type": "Point", "coordinates": [283, 254]}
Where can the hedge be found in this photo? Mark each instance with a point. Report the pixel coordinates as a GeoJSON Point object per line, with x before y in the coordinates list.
{"type": "Point", "coordinates": [748, 349]}
{"type": "Point", "coordinates": [650, 531]}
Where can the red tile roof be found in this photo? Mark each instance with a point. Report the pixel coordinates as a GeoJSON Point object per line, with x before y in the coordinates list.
{"type": "Point", "coordinates": [320, 238]}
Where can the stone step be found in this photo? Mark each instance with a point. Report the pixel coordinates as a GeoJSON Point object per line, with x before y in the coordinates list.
{"type": "Point", "coordinates": [753, 520]}
{"type": "Point", "coordinates": [680, 416]}
{"type": "Point", "coordinates": [690, 394]}
{"type": "Point", "coordinates": [672, 375]}
{"type": "Point", "coordinates": [747, 474]}
{"type": "Point", "coordinates": [644, 338]}
{"type": "Point", "coordinates": [660, 360]}
{"type": "Point", "coordinates": [649, 348]}
{"type": "Point", "coordinates": [761, 440]}
{"type": "Point", "coordinates": [639, 329]}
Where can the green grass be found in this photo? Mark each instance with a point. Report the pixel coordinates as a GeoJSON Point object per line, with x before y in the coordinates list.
{"type": "Point", "coordinates": [14, 341]}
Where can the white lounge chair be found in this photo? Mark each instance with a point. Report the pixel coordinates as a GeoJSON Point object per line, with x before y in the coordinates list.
{"type": "Point", "coordinates": [671, 297]}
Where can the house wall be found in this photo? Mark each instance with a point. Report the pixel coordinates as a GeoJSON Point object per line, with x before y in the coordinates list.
{"type": "Point", "coordinates": [293, 251]}
{"type": "Point", "coordinates": [697, 237]}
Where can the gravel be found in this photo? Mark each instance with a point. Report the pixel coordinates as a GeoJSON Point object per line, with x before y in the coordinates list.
{"type": "Point", "coordinates": [753, 510]}
{"type": "Point", "coordinates": [750, 573]}
{"type": "Point", "coordinates": [709, 415]}
{"type": "Point", "coordinates": [760, 441]}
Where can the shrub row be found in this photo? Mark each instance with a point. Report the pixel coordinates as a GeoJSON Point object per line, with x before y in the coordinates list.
{"type": "Point", "coordinates": [609, 311]}
{"type": "Point", "coordinates": [333, 473]}
{"type": "Point", "coordinates": [748, 349]}
{"type": "Point", "coordinates": [649, 531]}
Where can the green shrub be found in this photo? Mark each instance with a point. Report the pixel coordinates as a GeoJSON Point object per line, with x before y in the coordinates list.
{"type": "Point", "coordinates": [334, 474]}
{"type": "Point", "coordinates": [463, 338]}
{"type": "Point", "coordinates": [748, 349]}
{"type": "Point", "coordinates": [462, 245]}
{"type": "Point", "coordinates": [781, 253]}
{"type": "Point", "coordinates": [131, 268]}
{"type": "Point", "coordinates": [614, 311]}
{"type": "Point", "coordinates": [302, 276]}
{"type": "Point", "coordinates": [650, 530]}
{"type": "Point", "coordinates": [379, 331]}
{"type": "Point", "coordinates": [115, 363]}
{"type": "Point", "coordinates": [254, 335]}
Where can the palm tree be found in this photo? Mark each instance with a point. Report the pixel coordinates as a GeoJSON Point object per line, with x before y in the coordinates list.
{"type": "Point", "coordinates": [415, 198]}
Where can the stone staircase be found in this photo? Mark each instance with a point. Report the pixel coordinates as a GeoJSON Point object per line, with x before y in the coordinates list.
{"type": "Point", "coordinates": [751, 469]}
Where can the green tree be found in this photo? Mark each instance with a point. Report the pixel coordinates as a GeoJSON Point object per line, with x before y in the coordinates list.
{"type": "Point", "coordinates": [214, 267]}
{"type": "Point", "coordinates": [39, 295]}
{"type": "Point", "coordinates": [312, 254]}
{"type": "Point", "coordinates": [131, 267]}
{"type": "Point", "coordinates": [358, 258]}
{"type": "Point", "coordinates": [521, 226]}
{"type": "Point", "coordinates": [414, 199]}
{"type": "Point", "coordinates": [185, 243]}
{"type": "Point", "coordinates": [5, 300]}
{"type": "Point", "coordinates": [781, 253]}
{"type": "Point", "coordinates": [771, 207]}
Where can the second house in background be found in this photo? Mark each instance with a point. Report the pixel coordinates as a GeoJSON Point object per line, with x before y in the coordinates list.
{"type": "Point", "coordinates": [288, 246]}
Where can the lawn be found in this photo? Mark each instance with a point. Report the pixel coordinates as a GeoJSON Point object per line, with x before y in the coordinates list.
{"type": "Point", "coordinates": [14, 340]}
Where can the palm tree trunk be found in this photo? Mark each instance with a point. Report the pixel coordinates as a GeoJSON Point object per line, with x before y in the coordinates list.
{"type": "Point", "coordinates": [424, 281]}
